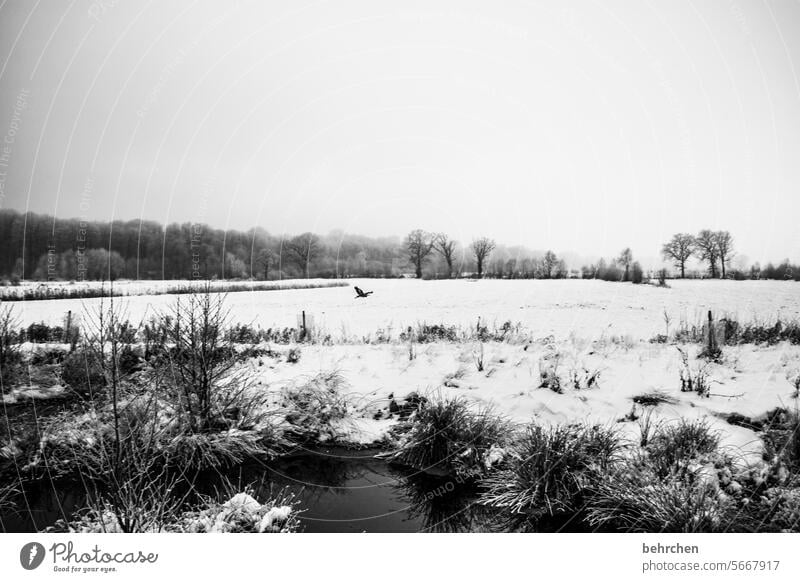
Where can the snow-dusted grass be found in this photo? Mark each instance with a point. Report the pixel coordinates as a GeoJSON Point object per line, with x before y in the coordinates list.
{"type": "Point", "coordinates": [637, 499]}
{"type": "Point", "coordinates": [549, 468]}
{"type": "Point", "coordinates": [452, 437]}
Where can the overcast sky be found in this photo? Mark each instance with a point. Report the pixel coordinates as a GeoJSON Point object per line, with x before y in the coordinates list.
{"type": "Point", "coordinates": [580, 126]}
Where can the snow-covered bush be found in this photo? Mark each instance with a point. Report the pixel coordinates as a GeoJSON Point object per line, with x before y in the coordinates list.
{"type": "Point", "coordinates": [242, 513]}
{"type": "Point", "coordinates": [239, 514]}
{"type": "Point", "coordinates": [71, 441]}
{"type": "Point", "coordinates": [316, 407]}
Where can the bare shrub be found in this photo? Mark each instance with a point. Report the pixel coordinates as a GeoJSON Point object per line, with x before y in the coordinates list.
{"type": "Point", "coordinates": [199, 361]}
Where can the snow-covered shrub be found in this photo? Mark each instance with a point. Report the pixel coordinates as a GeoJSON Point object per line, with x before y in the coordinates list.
{"type": "Point", "coordinates": [316, 407]}
{"type": "Point", "coordinates": [449, 435]}
{"type": "Point", "coordinates": [239, 514]}
{"type": "Point", "coordinates": [105, 519]}
{"type": "Point", "coordinates": [70, 441]}
{"type": "Point", "coordinates": [549, 469]}
{"type": "Point", "coordinates": [242, 513]}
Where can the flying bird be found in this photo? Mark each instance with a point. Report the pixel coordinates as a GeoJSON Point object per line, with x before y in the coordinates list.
{"type": "Point", "coordinates": [360, 293]}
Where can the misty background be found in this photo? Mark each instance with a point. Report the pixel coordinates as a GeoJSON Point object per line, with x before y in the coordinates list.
{"type": "Point", "coordinates": [583, 128]}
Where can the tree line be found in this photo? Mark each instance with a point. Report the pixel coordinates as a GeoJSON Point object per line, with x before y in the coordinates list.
{"type": "Point", "coordinates": [715, 249]}
{"type": "Point", "coordinates": [42, 247]}
{"type": "Point", "coordinates": [476, 260]}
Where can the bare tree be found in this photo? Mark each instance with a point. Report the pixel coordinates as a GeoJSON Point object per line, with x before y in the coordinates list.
{"type": "Point", "coordinates": [419, 245]}
{"type": "Point", "coordinates": [626, 260]}
{"type": "Point", "coordinates": [678, 250]}
{"type": "Point", "coordinates": [447, 248]}
{"type": "Point", "coordinates": [549, 264]}
{"type": "Point", "coordinates": [201, 358]}
{"type": "Point", "coordinates": [304, 249]}
{"type": "Point", "coordinates": [482, 248]}
{"type": "Point", "coordinates": [725, 252]}
{"type": "Point", "coordinates": [707, 249]}
{"type": "Point", "coordinates": [264, 259]}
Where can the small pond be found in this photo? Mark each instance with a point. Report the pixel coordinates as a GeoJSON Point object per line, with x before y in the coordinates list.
{"type": "Point", "coordinates": [339, 490]}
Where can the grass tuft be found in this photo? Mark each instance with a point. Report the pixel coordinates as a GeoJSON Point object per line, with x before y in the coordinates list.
{"type": "Point", "coordinates": [450, 436]}
{"type": "Point", "coordinates": [549, 469]}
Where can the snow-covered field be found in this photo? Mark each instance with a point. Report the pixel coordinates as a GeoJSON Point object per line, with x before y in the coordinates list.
{"type": "Point", "coordinates": [749, 381]}
{"type": "Point", "coordinates": [586, 308]}
{"type": "Point", "coordinates": [587, 327]}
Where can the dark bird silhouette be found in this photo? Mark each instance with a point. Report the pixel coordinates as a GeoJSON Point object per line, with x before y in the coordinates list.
{"type": "Point", "coordinates": [360, 293]}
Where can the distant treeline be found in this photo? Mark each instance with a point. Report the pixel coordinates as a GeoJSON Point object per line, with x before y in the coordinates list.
{"type": "Point", "coordinates": [41, 247]}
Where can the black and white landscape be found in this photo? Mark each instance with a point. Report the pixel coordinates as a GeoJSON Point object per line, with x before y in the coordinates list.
{"type": "Point", "coordinates": [388, 267]}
